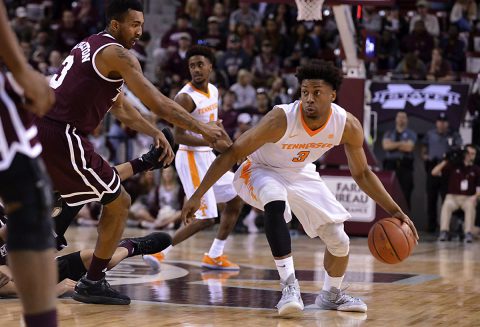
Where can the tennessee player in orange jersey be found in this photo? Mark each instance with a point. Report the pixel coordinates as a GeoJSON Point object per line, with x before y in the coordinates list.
{"type": "Point", "coordinates": [280, 179]}
{"type": "Point", "coordinates": [194, 157]}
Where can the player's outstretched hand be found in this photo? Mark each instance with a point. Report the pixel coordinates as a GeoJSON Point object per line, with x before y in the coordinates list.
{"type": "Point", "coordinates": [211, 132]}
{"type": "Point", "coordinates": [403, 217]}
{"type": "Point", "coordinates": [38, 95]}
{"type": "Point", "coordinates": [221, 145]}
{"type": "Point", "coordinates": [189, 209]}
{"type": "Point", "coordinates": [161, 155]}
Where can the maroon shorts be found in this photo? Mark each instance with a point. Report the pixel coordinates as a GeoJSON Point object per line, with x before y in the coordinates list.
{"type": "Point", "coordinates": [78, 173]}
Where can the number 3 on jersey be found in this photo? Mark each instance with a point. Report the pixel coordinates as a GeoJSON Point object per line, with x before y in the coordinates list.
{"type": "Point", "coordinates": [57, 79]}
{"type": "Point", "coordinates": [301, 156]}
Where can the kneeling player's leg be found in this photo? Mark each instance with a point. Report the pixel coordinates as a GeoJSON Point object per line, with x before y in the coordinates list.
{"type": "Point", "coordinates": [27, 196]}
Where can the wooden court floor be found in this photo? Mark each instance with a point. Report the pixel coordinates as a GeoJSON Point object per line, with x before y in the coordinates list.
{"type": "Point", "coordinates": [439, 285]}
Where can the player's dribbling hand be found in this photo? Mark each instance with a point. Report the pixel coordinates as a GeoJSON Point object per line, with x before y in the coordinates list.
{"type": "Point", "coordinates": [167, 155]}
{"type": "Point", "coordinates": [403, 217]}
{"type": "Point", "coordinates": [39, 96]}
{"type": "Point", "coordinates": [189, 209]}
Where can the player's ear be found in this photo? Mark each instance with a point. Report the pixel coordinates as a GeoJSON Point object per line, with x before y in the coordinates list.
{"type": "Point", "coordinates": [114, 25]}
{"type": "Point", "coordinates": [334, 95]}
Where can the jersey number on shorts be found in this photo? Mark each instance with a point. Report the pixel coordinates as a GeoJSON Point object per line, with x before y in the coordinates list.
{"type": "Point", "coordinates": [301, 156]}
{"type": "Point", "coordinates": [57, 79]}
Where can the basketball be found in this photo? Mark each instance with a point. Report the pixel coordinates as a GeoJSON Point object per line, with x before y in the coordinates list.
{"type": "Point", "coordinates": [390, 240]}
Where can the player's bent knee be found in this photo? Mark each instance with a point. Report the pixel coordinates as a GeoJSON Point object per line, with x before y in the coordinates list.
{"type": "Point", "coordinates": [335, 238]}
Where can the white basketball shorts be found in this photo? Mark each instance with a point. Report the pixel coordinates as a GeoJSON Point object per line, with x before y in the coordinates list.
{"type": "Point", "coordinates": [191, 168]}
{"type": "Point", "coordinates": [304, 192]}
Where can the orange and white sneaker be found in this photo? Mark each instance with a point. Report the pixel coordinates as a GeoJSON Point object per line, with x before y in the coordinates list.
{"type": "Point", "coordinates": [218, 263]}
{"type": "Point", "coordinates": [154, 260]}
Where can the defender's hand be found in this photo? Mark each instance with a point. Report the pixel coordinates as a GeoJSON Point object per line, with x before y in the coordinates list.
{"type": "Point", "coordinates": [211, 132]}
{"type": "Point", "coordinates": [189, 209]}
{"type": "Point", "coordinates": [38, 94]}
{"type": "Point", "coordinates": [403, 217]}
{"type": "Point", "coordinates": [161, 142]}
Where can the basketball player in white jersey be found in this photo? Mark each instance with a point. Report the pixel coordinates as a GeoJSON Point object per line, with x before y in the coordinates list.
{"type": "Point", "coordinates": [279, 176]}
{"type": "Point", "coordinates": [194, 157]}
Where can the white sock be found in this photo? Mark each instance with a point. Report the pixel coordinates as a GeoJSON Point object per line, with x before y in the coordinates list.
{"type": "Point", "coordinates": [166, 250]}
{"type": "Point", "coordinates": [216, 249]}
{"type": "Point", "coordinates": [285, 268]}
{"type": "Point", "coordinates": [332, 282]}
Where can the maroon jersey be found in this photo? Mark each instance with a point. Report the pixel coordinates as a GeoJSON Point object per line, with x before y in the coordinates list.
{"type": "Point", "coordinates": [17, 131]}
{"type": "Point", "coordinates": [83, 94]}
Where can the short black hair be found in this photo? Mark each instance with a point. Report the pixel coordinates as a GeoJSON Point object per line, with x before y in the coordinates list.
{"type": "Point", "coordinates": [117, 9]}
{"type": "Point", "coordinates": [320, 69]}
{"type": "Point", "coordinates": [201, 50]}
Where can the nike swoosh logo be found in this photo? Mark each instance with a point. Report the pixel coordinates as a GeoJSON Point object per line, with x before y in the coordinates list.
{"type": "Point", "coordinates": [291, 135]}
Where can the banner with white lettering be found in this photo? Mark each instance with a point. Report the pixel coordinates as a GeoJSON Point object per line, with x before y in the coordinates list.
{"type": "Point", "coordinates": [347, 192]}
{"type": "Point", "coordinates": [419, 98]}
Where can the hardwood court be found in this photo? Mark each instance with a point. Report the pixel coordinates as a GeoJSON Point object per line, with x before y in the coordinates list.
{"type": "Point", "coordinates": [437, 286]}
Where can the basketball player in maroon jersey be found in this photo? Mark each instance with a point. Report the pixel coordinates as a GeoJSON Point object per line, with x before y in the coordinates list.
{"type": "Point", "coordinates": [24, 187]}
{"type": "Point", "coordinates": [87, 86]}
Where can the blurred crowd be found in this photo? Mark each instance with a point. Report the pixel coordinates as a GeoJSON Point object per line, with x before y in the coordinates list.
{"type": "Point", "coordinates": [257, 47]}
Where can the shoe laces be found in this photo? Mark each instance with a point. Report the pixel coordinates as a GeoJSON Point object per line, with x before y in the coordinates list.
{"type": "Point", "coordinates": [289, 290]}
{"type": "Point", "coordinates": [342, 297]}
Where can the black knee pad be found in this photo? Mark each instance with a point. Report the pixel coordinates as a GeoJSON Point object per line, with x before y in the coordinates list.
{"type": "Point", "coordinates": [29, 224]}
{"type": "Point", "coordinates": [276, 229]}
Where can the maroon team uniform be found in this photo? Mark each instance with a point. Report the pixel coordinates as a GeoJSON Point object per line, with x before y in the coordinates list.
{"type": "Point", "coordinates": [18, 134]}
{"type": "Point", "coordinates": [83, 97]}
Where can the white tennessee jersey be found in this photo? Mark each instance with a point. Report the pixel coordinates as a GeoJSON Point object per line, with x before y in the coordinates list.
{"type": "Point", "coordinates": [206, 109]}
{"type": "Point", "coordinates": [300, 145]}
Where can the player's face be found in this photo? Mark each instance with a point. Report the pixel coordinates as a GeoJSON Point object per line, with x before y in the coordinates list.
{"type": "Point", "coordinates": [130, 28]}
{"type": "Point", "coordinates": [317, 97]}
{"type": "Point", "coordinates": [200, 69]}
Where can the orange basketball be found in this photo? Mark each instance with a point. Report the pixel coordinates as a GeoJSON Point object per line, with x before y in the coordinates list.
{"type": "Point", "coordinates": [390, 240]}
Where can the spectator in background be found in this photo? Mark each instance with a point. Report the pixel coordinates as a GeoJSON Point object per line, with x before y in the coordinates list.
{"type": "Point", "coordinates": [245, 92]}
{"type": "Point", "coordinates": [54, 62]}
{"type": "Point", "coordinates": [387, 51]}
{"type": "Point", "coordinates": [411, 67]}
{"type": "Point", "coordinates": [196, 14]}
{"type": "Point", "coordinates": [280, 42]}
{"type": "Point", "coordinates": [395, 23]}
{"type": "Point", "coordinates": [69, 33]}
{"type": "Point", "coordinates": [419, 41]}
{"type": "Point", "coordinates": [399, 145]}
{"type": "Point", "coordinates": [463, 190]}
{"type": "Point", "coordinates": [171, 37]}
{"type": "Point", "coordinates": [244, 121]}
{"type": "Point", "coordinates": [436, 143]}
{"type": "Point", "coordinates": [371, 20]}
{"type": "Point", "coordinates": [278, 93]}
{"type": "Point", "coordinates": [463, 14]}
{"type": "Point", "coordinates": [87, 15]}
{"type": "Point", "coordinates": [139, 50]}
{"type": "Point", "coordinates": [430, 21]}
{"type": "Point", "coordinates": [454, 49]}
{"type": "Point", "coordinates": [222, 17]}
{"type": "Point", "coordinates": [439, 69]}
{"type": "Point", "coordinates": [263, 106]}
{"type": "Point", "coordinates": [22, 27]}
{"type": "Point", "coordinates": [247, 40]}
{"type": "Point", "coordinates": [234, 59]}
{"type": "Point", "coordinates": [227, 114]}
{"type": "Point", "coordinates": [213, 38]}
{"type": "Point", "coordinates": [266, 65]}
{"type": "Point", "coordinates": [303, 46]}
{"type": "Point", "coordinates": [176, 67]}
{"type": "Point", "coordinates": [245, 15]}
